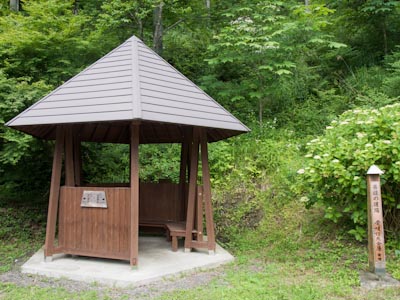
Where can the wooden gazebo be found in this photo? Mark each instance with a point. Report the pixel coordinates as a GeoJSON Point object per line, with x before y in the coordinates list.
{"type": "Point", "coordinates": [131, 96]}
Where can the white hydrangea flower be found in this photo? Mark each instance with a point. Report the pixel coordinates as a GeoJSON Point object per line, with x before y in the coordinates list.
{"type": "Point", "coordinates": [308, 155]}
{"type": "Point", "coordinates": [304, 199]}
{"type": "Point", "coordinates": [301, 171]}
{"type": "Point", "coordinates": [317, 157]}
{"type": "Point", "coordinates": [387, 142]}
{"type": "Point", "coordinates": [368, 145]}
{"type": "Point", "coordinates": [360, 135]}
{"type": "Point", "coordinates": [335, 161]}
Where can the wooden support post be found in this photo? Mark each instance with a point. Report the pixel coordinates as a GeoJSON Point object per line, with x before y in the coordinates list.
{"type": "Point", "coordinates": [199, 213]}
{"type": "Point", "coordinates": [134, 211]}
{"type": "Point", "coordinates": [182, 175]}
{"type": "Point", "coordinates": [376, 239]}
{"type": "Point", "coordinates": [207, 192]}
{"type": "Point", "coordinates": [69, 157]}
{"type": "Point", "coordinates": [194, 164]}
{"type": "Point", "coordinates": [77, 159]}
{"type": "Point", "coordinates": [189, 141]}
{"type": "Point", "coordinates": [54, 193]}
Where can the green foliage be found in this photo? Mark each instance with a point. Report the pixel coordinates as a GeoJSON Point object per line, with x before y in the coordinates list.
{"type": "Point", "coordinates": [21, 233]}
{"type": "Point", "coordinates": [48, 43]}
{"type": "Point", "coordinates": [334, 175]}
{"type": "Point", "coordinates": [22, 157]}
{"type": "Point", "coordinates": [245, 173]}
{"type": "Point", "coordinates": [392, 80]}
{"type": "Point", "coordinates": [160, 162]}
{"type": "Point", "coordinates": [368, 27]}
{"type": "Point", "coordinates": [105, 163]}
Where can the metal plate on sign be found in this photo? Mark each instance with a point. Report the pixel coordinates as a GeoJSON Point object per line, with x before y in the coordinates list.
{"type": "Point", "coordinates": [94, 199]}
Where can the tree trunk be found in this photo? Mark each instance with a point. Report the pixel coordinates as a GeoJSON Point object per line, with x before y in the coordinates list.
{"type": "Point", "coordinates": [208, 7]}
{"type": "Point", "coordinates": [208, 4]}
{"type": "Point", "coordinates": [76, 7]}
{"type": "Point", "coordinates": [14, 5]}
{"type": "Point", "coordinates": [307, 4]}
{"type": "Point", "coordinates": [158, 29]}
{"type": "Point", "coordinates": [260, 112]}
{"type": "Point", "coordinates": [384, 32]}
{"type": "Point", "coordinates": [141, 31]}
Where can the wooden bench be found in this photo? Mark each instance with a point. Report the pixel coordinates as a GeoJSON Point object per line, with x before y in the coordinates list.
{"type": "Point", "coordinates": [152, 223]}
{"type": "Point", "coordinates": [175, 230]}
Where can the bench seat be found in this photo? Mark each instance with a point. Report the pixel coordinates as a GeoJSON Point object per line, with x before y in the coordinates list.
{"type": "Point", "coordinates": [175, 230]}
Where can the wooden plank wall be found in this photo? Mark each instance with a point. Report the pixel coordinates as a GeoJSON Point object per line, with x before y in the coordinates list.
{"type": "Point", "coordinates": [101, 232]}
{"type": "Point", "coordinates": [96, 232]}
{"type": "Point", "coordinates": [160, 201]}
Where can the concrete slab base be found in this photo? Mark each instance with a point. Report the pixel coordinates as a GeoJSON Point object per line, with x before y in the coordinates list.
{"type": "Point", "coordinates": [156, 261]}
{"type": "Point", "coordinates": [371, 281]}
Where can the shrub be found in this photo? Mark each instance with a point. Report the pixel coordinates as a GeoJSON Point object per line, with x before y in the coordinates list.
{"type": "Point", "coordinates": [337, 162]}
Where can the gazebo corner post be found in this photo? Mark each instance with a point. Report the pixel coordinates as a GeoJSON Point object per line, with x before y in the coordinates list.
{"type": "Point", "coordinates": [194, 164]}
{"type": "Point", "coordinates": [182, 174]}
{"type": "Point", "coordinates": [77, 148]}
{"type": "Point", "coordinates": [207, 193]}
{"type": "Point", "coordinates": [134, 186]}
{"type": "Point", "coordinates": [69, 157]}
{"type": "Point", "coordinates": [54, 194]}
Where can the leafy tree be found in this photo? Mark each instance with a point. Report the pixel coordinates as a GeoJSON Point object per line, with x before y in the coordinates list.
{"type": "Point", "coordinates": [369, 27]}
{"type": "Point", "coordinates": [24, 161]}
{"type": "Point", "coordinates": [48, 43]}
{"type": "Point", "coordinates": [262, 46]}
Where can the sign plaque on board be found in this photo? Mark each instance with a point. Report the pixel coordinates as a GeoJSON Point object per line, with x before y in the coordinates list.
{"type": "Point", "coordinates": [376, 239]}
{"type": "Point", "coordinates": [94, 199]}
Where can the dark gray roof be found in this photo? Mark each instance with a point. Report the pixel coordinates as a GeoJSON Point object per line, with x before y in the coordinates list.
{"type": "Point", "coordinates": [130, 83]}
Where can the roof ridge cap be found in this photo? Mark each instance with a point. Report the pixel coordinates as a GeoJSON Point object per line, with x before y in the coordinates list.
{"type": "Point", "coordinates": [136, 99]}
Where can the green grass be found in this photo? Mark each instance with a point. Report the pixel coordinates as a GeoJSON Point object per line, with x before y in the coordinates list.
{"type": "Point", "coordinates": [294, 256]}
{"type": "Point", "coordinates": [11, 292]}
{"type": "Point", "coordinates": [21, 232]}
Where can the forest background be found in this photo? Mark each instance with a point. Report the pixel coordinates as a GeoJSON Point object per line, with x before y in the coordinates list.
{"type": "Point", "coordinates": [318, 83]}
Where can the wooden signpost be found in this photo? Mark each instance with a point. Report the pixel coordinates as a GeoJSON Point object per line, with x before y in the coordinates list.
{"type": "Point", "coordinates": [376, 240]}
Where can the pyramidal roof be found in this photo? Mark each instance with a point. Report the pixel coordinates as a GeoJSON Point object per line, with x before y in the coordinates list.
{"type": "Point", "coordinates": [131, 82]}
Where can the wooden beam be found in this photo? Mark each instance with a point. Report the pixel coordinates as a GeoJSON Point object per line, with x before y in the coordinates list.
{"type": "Point", "coordinates": [69, 157]}
{"type": "Point", "coordinates": [77, 158]}
{"type": "Point", "coordinates": [134, 181]}
{"type": "Point", "coordinates": [199, 213]}
{"type": "Point", "coordinates": [189, 141]}
{"type": "Point", "coordinates": [54, 193]}
{"type": "Point", "coordinates": [194, 164]}
{"type": "Point", "coordinates": [207, 192]}
{"type": "Point", "coordinates": [182, 175]}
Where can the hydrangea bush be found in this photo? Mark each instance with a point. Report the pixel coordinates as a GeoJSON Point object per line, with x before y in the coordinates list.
{"type": "Point", "coordinates": [337, 162]}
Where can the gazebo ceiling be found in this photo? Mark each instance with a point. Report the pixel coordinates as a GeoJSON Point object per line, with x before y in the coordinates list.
{"type": "Point", "coordinates": [118, 132]}
{"type": "Point", "coordinates": [131, 83]}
